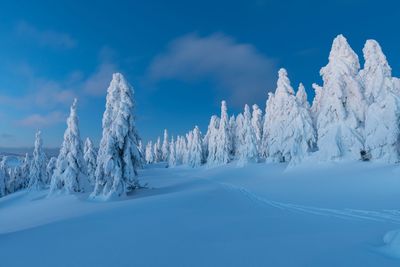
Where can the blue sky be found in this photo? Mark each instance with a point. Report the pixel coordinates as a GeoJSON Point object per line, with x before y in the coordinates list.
{"type": "Point", "coordinates": [182, 57]}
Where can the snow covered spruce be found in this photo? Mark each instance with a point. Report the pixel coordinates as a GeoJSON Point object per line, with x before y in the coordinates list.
{"type": "Point", "coordinates": [70, 174]}
{"type": "Point", "coordinates": [119, 156]}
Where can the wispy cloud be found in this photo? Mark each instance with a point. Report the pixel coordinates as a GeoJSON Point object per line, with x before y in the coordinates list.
{"type": "Point", "coordinates": [96, 84]}
{"type": "Point", "coordinates": [42, 120]}
{"type": "Point", "coordinates": [43, 94]}
{"type": "Point", "coordinates": [239, 69]}
{"type": "Point", "coordinates": [46, 38]}
{"type": "Point", "coordinates": [41, 91]}
{"type": "Point", "coordinates": [7, 136]}
{"type": "Point", "coordinates": [46, 93]}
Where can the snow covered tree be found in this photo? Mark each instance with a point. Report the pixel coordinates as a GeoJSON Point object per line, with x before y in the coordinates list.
{"type": "Point", "coordinates": [257, 124]}
{"type": "Point", "coordinates": [178, 151]}
{"type": "Point", "coordinates": [51, 166]}
{"type": "Point", "coordinates": [189, 143]}
{"type": "Point", "coordinates": [165, 146]}
{"type": "Point", "coordinates": [288, 126]}
{"type": "Point", "coordinates": [18, 177]}
{"type": "Point", "coordinates": [118, 156]}
{"type": "Point", "coordinates": [342, 106]}
{"type": "Point", "coordinates": [247, 140]}
{"type": "Point", "coordinates": [149, 153]}
{"type": "Point", "coordinates": [196, 149]}
{"type": "Point", "coordinates": [24, 171]}
{"type": "Point", "coordinates": [157, 151]}
{"type": "Point", "coordinates": [223, 140]}
{"type": "Point", "coordinates": [301, 96]}
{"type": "Point", "coordinates": [316, 104]}
{"type": "Point", "coordinates": [209, 141]}
{"type": "Point", "coordinates": [276, 120]}
{"type": "Point", "coordinates": [382, 123]}
{"type": "Point", "coordinates": [181, 150]}
{"type": "Point", "coordinates": [37, 170]}
{"type": "Point", "coordinates": [239, 123]}
{"type": "Point", "coordinates": [377, 74]}
{"type": "Point", "coordinates": [232, 134]}
{"type": "Point", "coordinates": [90, 157]}
{"type": "Point", "coordinates": [8, 175]}
{"type": "Point", "coordinates": [171, 154]}
{"type": "Point", "coordinates": [304, 133]}
{"type": "Point", "coordinates": [70, 174]}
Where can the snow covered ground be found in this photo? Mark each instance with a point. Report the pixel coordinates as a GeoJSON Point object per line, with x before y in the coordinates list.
{"type": "Point", "coordinates": [339, 214]}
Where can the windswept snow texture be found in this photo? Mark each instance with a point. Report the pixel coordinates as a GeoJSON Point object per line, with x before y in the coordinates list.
{"type": "Point", "coordinates": [259, 215]}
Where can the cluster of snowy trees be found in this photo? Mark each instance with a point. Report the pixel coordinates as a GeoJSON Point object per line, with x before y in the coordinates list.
{"type": "Point", "coordinates": [106, 173]}
{"type": "Point", "coordinates": [355, 115]}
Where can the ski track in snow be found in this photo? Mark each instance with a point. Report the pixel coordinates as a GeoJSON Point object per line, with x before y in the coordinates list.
{"type": "Point", "coordinates": [392, 216]}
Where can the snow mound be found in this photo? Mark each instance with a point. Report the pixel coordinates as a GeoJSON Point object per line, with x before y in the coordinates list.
{"type": "Point", "coordinates": [392, 243]}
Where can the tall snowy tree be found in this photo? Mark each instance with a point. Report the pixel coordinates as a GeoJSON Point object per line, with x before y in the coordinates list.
{"type": "Point", "coordinates": [181, 150]}
{"type": "Point", "coordinates": [247, 141]}
{"type": "Point", "coordinates": [189, 143]}
{"type": "Point", "coordinates": [70, 174]}
{"type": "Point", "coordinates": [165, 146]}
{"type": "Point", "coordinates": [316, 104]}
{"type": "Point", "coordinates": [149, 153]}
{"type": "Point", "coordinates": [90, 157]}
{"type": "Point", "coordinates": [8, 175]}
{"type": "Point", "coordinates": [118, 156]}
{"type": "Point", "coordinates": [304, 132]}
{"type": "Point", "coordinates": [342, 109]}
{"type": "Point", "coordinates": [24, 171]}
{"type": "Point", "coordinates": [301, 96]}
{"type": "Point", "coordinates": [223, 140]}
{"type": "Point", "coordinates": [171, 154]}
{"type": "Point", "coordinates": [278, 107]}
{"type": "Point", "coordinates": [157, 151]}
{"type": "Point", "coordinates": [239, 123]}
{"type": "Point", "coordinates": [288, 126]}
{"type": "Point", "coordinates": [382, 123]}
{"type": "Point", "coordinates": [37, 170]}
{"type": "Point", "coordinates": [257, 124]}
{"type": "Point", "coordinates": [196, 149]}
{"type": "Point", "coordinates": [232, 134]}
{"type": "Point", "coordinates": [209, 141]}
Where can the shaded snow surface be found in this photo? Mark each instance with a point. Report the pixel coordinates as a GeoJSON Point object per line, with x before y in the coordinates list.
{"type": "Point", "coordinates": [260, 215]}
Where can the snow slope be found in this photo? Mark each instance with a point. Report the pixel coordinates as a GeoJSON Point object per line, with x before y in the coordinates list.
{"type": "Point", "coordinates": [259, 215]}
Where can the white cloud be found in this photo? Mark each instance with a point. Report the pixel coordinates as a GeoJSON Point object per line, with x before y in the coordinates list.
{"type": "Point", "coordinates": [41, 92]}
{"type": "Point", "coordinates": [239, 69]}
{"type": "Point", "coordinates": [47, 38]}
{"type": "Point", "coordinates": [39, 120]}
{"type": "Point", "coordinates": [96, 84]}
{"type": "Point", "coordinates": [44, 95]}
